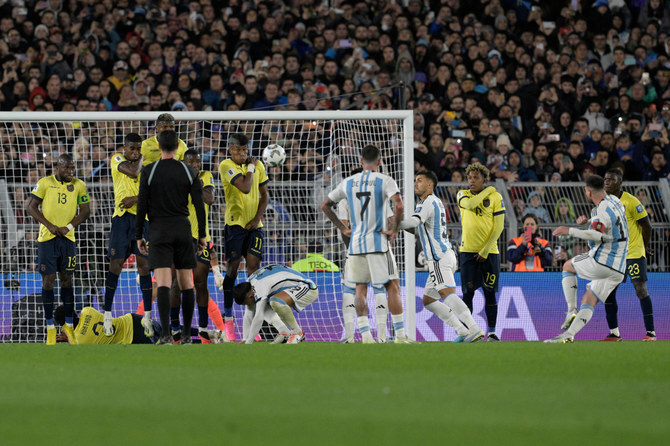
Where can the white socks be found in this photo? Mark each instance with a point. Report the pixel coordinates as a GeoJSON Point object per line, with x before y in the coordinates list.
{"type": "Point", "coordinates": [348, 312]}
{"type": "Point", "coordinates": [447, 315]}
{"type": "Point", "coordinates": [364, 329]}
{"type": "Point", "coordinates": [570, 290]}
{"type": "Point", "coordinates": [381, 312]}
{"type": "Point", "coordinates": [462, 312]}
{"type": "Point", "coordinates": [398, 325]}
{"type": "Point", "coordinates": [583, 317]}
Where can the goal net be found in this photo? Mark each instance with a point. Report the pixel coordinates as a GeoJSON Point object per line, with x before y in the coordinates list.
{"type": "Point", "coordinates": [322, 148]}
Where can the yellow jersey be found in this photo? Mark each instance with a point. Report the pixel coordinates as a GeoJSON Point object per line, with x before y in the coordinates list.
{"type": "Point", "coordinates": [634, 213]}
{"type": "Point", "coordinates": [124, 186]}
{"type": "Point", "coordinates": [152, 153]}
{"type": "Point", "coordinates": [478, 223]}
{"type": "Point", "coordinates": [241, 208]}
{"type": "Point", "coordinates": [89, 328]}
{"type": "Point", "coordinates": [207, 180]}
{"type": "Point", "coordinates": [60, 202]}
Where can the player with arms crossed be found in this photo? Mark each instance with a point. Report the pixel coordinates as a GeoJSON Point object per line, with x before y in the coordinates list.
{"type": "Point", "coordinates": [482, 221]}
{"type": "Point", "coordinates": [639, 233]}
{"type": "Point", "coordinates": [430, 221]}
{"type": "Point", "coordinates": [349, 289]}
{"type": "Point", "coordinates": [246, 191]}
{"type": "Point", "coordinates": [61, 196]}
{"type": "Point", "coordinates": [605, 263]}
{"type": "Point", "coordinates": [370, 258]}
{"type": "Point", "coordinates": [165, 187]}
{"type": "Point", "coordinates": [206, 306]}
{"type": "Point", "coordinates": [281, 289]}
{"type": "Point", "coordinates": [126, 167]}
{"type": "Point", "coordinates": [151, 151]}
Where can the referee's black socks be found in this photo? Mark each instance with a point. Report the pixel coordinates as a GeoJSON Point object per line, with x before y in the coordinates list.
{"type": "Point", "coordinates": [163, 300]}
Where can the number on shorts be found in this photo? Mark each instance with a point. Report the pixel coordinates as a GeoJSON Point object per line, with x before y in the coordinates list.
{"type": "Point", "coordinates": [72, 261]}
{"type": "Point", "coordinates": [490, 279]}
{"type": "Point", "coordinates": [365, 201]}
{"type": "Point", "coordinates": [258, 242]}
{"type": "Point", "coordinates": [634, 269]}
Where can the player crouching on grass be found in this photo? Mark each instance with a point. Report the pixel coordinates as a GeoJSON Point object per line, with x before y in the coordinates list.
{"type": "Point", "coordinates": [279, 288]}
{"type": "Point", "coordinates": [430, 222]}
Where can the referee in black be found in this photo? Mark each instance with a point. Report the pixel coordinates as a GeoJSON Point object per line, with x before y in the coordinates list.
{"type": "Point", "coordinates": [164, 190]}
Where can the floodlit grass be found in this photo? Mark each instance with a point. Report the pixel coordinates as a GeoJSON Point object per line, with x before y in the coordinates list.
{"type": "Point", "coordinates": [314, 393]}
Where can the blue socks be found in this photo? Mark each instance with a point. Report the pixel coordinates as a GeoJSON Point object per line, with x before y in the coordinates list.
{"type": "Point", "coordinates": [111, 282]}
{"type": "Point", "coordinates": [146, 288]}
{"type": "Point", "coordinates": [67, 295]}
{"type": "Point", "coordinates": [647, 313]}
{"type": "Point", "coordinates": [203, 317]}
{"type": "Point", "coordinates": [48, 303]}
{"type": "Point", "coordinates": [228, 284]}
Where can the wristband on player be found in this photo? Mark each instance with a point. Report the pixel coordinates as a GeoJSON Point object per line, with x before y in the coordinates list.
{"type": "Point", "coordinates": [251, 168]}
{"type": "Point", "coordinates": [69, 227]}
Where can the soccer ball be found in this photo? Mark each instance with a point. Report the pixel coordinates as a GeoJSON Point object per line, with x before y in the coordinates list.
{"type": "Point", "coordinates": [274, 155]}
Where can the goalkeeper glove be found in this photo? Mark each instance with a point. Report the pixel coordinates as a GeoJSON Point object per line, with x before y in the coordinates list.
{"type": "Point", "coordinates": [218, 277]}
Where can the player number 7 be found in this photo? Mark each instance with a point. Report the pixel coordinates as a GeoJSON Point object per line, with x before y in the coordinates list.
{"type": "Point", "coordinates": [365, 201]}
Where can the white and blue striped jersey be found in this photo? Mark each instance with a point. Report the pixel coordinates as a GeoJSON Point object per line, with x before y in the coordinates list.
{"type": "Point", "coordinates": [272, 279]}
{"type": "Point", "coordinates": [433, 227]}
{"type": "Point", "coordinates": [609, 218]}
{"type": "Point", "coordinates": [367, 194]}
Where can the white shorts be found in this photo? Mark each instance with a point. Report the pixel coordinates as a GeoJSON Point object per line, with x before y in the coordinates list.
{"type": "Point", "coordinates": [441, 275]}
{"type": "Point", "coordinates": [376, 268]}
{"type": "Point", "coordinates": [302, 295]}
{"type": "Point", "coordinates": [603, 279]}
{"type": "Point", "coordinates": [346, 282]}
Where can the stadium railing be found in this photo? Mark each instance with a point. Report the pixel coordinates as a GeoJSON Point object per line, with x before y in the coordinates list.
{"type": "Point", "coordinates": [655, 196]}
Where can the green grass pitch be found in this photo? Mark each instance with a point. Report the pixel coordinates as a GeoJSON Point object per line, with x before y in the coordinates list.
{"type": "Point", "coordinates": [512, 393]}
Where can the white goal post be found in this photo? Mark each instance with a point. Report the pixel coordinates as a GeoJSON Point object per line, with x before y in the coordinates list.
{"type": "Point", "coordinates": [322, 148]}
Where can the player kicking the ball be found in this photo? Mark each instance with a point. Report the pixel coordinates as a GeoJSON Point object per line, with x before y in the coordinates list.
{"type": "Point", "coordinates": [430, 222]}
{"type": "Point", "coordinates": [604, 264]}
{"type": "Point", "coordinates": [279, 288]}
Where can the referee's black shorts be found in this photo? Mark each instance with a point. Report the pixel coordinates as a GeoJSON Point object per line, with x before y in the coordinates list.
{"type": "Point", "coordinates": [171, 243]}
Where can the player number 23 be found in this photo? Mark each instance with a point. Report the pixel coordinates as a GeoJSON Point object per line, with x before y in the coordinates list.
{"type": "Point", "coordinates": [634, 269]}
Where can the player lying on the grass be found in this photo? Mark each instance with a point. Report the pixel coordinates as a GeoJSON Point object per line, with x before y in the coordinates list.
{"type": "Point", "coordinates": [277, 288]}
{"type": "Point", "coordinates": [605, 262]}
{"type": "Point", "coordinates": [126, 166]}
{"type": "Point", "coordinates": [430, 222]}
{"type": "Point", "coordinates": [128, 329]}
{"type": "Point", "coordinates": [59, 203]}
{"type": "Point", "coordinates": [639, 231]}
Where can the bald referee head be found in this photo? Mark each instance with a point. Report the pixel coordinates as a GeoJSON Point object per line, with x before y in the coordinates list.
{"type": "Point", "coordinates": [168, 141]}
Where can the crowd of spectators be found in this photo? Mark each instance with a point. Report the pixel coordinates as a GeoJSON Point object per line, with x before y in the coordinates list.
{"type": "Point", "coordinates": [531, 89]}
{"type": "Point", "coordinates": [537, 91]}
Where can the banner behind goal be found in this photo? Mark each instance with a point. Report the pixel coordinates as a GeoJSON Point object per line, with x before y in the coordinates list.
{"type": "Point", "coordinates": [321, 147]}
